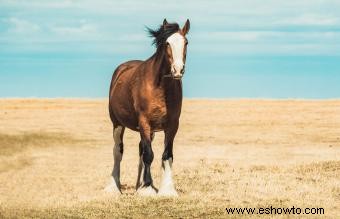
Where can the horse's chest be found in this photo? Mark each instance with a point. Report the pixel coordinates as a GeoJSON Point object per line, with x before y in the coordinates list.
{"type": "Point", "coordinates": [157, 110]}
{"type": "Point", "coordinates": [157, 113]}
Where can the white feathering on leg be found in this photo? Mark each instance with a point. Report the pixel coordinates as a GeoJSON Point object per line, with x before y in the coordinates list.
{"type": "Point", "coordinates": [167, 185]}
{"type": "Point", "coordinates": [112, 187]}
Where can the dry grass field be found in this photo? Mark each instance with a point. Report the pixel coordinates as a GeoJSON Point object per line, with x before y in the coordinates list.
{"type": "Point", "coordinates": [56, 159]}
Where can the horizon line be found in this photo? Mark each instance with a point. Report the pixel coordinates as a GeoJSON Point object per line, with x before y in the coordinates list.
{"type": "Point", "coordinates": [184, 98]}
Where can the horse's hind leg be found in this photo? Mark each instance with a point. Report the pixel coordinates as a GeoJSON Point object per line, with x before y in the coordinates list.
{"type": "Point", "coordinates": [118, 132]}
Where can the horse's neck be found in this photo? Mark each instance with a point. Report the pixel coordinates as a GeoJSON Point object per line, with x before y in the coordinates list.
{"type": "Point", "coordinates": [172, 88]}
{"type": "Point", "coordinates": [159, 66]}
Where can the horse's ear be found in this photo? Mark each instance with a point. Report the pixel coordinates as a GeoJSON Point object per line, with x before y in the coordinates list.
{"type": "Point", "coordinates": [165, 22]}
{"type": "Point", "coordinates": [186, 27]}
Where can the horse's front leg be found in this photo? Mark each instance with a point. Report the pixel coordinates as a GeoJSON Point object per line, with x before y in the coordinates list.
{"type": "Point", "coordinates": [167, 186]}
{"type": "Point", "coordinates": [141, 164]}
{"type": "Point", "coordinates": [146, 157]}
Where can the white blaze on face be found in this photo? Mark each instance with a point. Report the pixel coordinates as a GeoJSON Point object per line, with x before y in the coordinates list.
{"type": "Point", "coordinates": [176, 42]}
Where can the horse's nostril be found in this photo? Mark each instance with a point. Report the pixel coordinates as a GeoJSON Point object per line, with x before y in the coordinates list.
{"type": "Point", "coordinates": [182, 71]}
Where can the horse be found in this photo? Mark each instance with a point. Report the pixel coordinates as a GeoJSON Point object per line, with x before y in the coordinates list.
{"type": "Point", "coordinates": [146, 97]}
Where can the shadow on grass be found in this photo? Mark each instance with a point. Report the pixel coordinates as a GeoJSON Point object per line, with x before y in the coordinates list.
{"type": "Point", "coordinates": [14, 148]}
{"type": "Point", "coordinates": [12, 144]}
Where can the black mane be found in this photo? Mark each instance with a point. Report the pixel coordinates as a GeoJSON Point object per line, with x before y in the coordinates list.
{"type": "Point", "coordinates": [162, 33]}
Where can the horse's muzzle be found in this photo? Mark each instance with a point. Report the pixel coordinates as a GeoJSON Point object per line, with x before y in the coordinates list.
{"type": "Point", "coordinates": [177, 71]}
{"type": "Point", "coordinates": [177, 76]}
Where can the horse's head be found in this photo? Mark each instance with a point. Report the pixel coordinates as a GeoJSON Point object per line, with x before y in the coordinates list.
{"type": "Point", "coordinates": [176, 50]}
{"type": "Point", "coordinates": [171, 38]}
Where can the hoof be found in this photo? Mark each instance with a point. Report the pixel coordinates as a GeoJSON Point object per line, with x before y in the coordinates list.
{"type": "Point", "coordinates": [168, 192]}
{"type": "Point", "coordinates": [146, 191]}
{"type": "Point", "coordinates": [112, 188]}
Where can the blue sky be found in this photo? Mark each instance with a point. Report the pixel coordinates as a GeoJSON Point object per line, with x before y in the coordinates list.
{"type": "Point", "coordinates": [237, 48]}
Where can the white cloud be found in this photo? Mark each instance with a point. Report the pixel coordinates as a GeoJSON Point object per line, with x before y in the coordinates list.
{"type": "Point", "coordinates": [310, 19]}
{"type": "Point", "coordinates": [22, 26]}
{"type": "Point", "coordinates": [232, 36]}
{"type": "Point", "coordinates": [81, 30]}
{"type": "Point", "coordinates": [266, 43]}
{"type": "Point", "coordinates": [132, 37]}
{"type": "Point", "coordinates": [268, 36]}
{"type": "Point", "coordinates": [38, 3]}
{"type": "Point", "coordinates": [268, 49]}
{"type": "Point", "coordinates": [247, 26]}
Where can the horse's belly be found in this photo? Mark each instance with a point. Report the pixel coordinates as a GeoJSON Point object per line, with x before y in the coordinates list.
{"type": "Point", "coordinates": [121, 100]}
{"type": "Point", "coordinates": [127, 118]}
{"type": "Point", "coordinates": [123, 110]}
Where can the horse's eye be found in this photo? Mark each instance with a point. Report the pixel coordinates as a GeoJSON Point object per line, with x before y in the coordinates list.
{"type": "Point", "coordinates": [186, 43]}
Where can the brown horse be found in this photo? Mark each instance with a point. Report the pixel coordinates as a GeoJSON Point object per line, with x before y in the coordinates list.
{"type": "Point", "coordinates": [146, 96]}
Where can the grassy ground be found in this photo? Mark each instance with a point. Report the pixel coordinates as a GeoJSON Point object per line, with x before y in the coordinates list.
{"type": "Point", "coordinates": [56, 158]}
